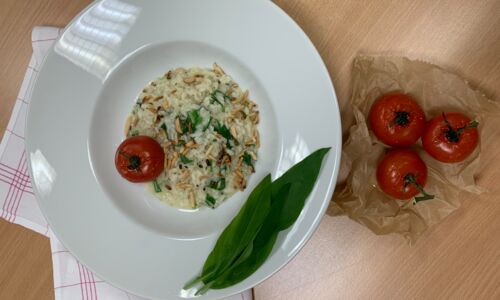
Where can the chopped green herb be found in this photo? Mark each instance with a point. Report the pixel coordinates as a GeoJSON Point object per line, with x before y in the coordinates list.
{"type": "Point", "coordinates": [164, 127]}
{"type": "Point", "coordinates": [184, 122]}
{"type": "Point", "coordinates": [218, 184]}
{"type": "Point", "coordinates": [224, 131]}
{"type": "Point", "coordinates": [185, 160]}
{"type": "Point", "coordinates": [156, 186]}
{"type": "Point", "coordinates": [180, 144]}
{"type": "Point", "coordinates": [194, 118]}
{"type": "Point", "coordinates": [208, 124]}
{"type": "Point", "coordinates": [219, 97]}
{"type": "Point", "coordinates": [247, 159]}
{"type": "Point", "coordinates": [135, 132]}
{"type": "Point", "coordinates": [210, 201]}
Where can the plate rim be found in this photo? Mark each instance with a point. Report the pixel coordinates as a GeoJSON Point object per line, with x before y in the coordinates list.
{"type": "Point", "coordinates": [331, 180]}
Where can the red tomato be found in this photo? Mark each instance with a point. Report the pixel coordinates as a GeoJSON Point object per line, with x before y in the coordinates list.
{"type": "Point", "coordinates": [397, 120]}
{"type": "Point", "coordinates": [402, 174]}
{"type": "Point", "coordinates": [139, 159]}
{"type": "Point", "coordinates": [450, 137]}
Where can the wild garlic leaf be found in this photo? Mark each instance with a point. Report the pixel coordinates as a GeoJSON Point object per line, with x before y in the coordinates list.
{"type": "Point", "coordinates": [241, 231]}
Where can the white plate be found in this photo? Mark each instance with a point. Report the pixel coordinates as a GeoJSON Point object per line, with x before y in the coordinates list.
{"type": "Point", "coordinates": [88, 85]}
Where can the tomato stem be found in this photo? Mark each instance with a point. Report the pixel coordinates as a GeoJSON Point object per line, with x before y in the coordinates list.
{"type": "Point", "coordinates": [453, 135]}
{"type": "Point", "coordinates": [402, 118]}
{"type": "Point", "coordinates": [410, 179]}
{"type": "Point", "coordinates": [134, 161]}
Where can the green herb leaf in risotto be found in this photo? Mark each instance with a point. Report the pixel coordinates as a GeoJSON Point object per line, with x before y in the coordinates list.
{"type": "Point", "coordinates": [184, 124]}
{"type": "Point", "coordinates": [247, 159]}
{"type": "Point", "coordinates": [210, 201]}
{"type": "Point", "coordinates": [223, 130]}
{"type": "Point", "coordinates": [218, 184]}
{"type": "Point", "coordinates": [156, 186]}
{"type": "Point", "coordinates": [185, 160]}
{"type": "Point", "coordinates": [164, 127]}
{"type": "Point", "coordinates": [219, 97]}
{"type": "Point", "coordinates": [208, 124]}
{"type": "Point", "coordinates": [194, 118]}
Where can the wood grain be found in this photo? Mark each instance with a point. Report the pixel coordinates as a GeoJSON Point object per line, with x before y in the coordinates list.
{"type": "Point", "coordinates": [460, 258]}
{"type": "Point", "coordinates": [25, 260]}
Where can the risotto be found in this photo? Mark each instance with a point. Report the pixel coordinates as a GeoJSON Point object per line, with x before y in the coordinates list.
{"type": "Point", "coordinates": [207, 127]}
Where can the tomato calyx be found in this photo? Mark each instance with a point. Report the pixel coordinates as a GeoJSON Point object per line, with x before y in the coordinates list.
{"type": "Point", "coordinates": [402, 118]}
{"type": "Point", "coordinates": [134, 161]}
{"type": "Point", "coordinates": [411, 179]}
{"type": "Point", "coordinates": [453, 135]}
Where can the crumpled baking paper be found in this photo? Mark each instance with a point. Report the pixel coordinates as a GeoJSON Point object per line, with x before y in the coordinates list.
{"type": "Point", "coordinates": [437, 91]}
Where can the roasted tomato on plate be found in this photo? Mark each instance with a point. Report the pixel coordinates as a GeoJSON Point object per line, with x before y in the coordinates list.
{"type": "Point", "coordinates": [139, 159]}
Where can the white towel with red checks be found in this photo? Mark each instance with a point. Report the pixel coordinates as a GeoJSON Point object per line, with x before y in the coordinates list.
{"type": "Point", "coordinates": [17, 200]}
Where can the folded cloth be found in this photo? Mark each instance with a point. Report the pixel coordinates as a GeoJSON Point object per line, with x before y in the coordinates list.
{"type": "Point", "coordinates": [17, 199]}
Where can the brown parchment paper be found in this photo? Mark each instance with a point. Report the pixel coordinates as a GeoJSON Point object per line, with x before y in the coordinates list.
{"type": "Point", "coordinates": [436, 90]}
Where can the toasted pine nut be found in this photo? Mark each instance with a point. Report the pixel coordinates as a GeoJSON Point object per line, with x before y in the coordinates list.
{"type": "Point", "coordinates": [166, 163]}
{"type": "Point", "coordinates": [256, 138]}
{"type": "Point", "coordinates": [257, 118]}
{"type": "Point", "coordinates": [184, 186]}
{"type": "Point", "coordinates": [178, 125]}
{"type": "Point", "coordinates": [218, 70]}
{"type": "Point", "coordinates": [244, 96]}
{"type": "Point", "coordinates": [192, 199]}
{"type": "Point", "coordinates": [162, 134]}
{"type": "Point", "coordinates": [209, 150]}
{"type": "Point", "coordinates": [233, 131]}
{"type": "Point", "coordinates": [165, 104]}
{"type": "Point", "coordinates": [179, 70]}
{"type": "Point", "coordinates": [250, 142]}
{"type": "Point", "coordinates": [189, 79]}
{"type": "Point", "coordinates": [254, 157]}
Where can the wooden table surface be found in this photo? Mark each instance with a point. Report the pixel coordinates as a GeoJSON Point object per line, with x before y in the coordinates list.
{"type": "Point", "coordinates": [458, 259]}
